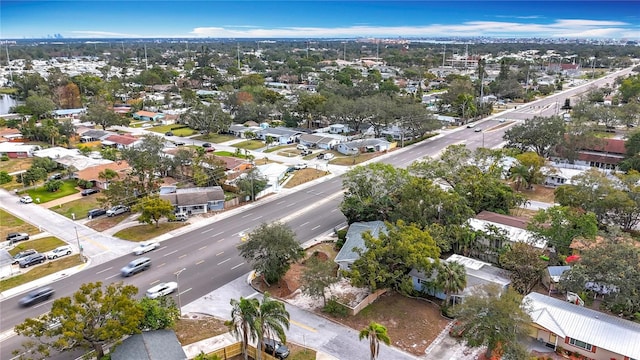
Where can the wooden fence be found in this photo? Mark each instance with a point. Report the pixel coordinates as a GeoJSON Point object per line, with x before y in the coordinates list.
{"type": "Point", "coordinates": [365, 302]}
{"type": "Point", "coordinates": [236, 349]}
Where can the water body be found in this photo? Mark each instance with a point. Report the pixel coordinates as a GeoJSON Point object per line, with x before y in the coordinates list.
{"type": "Point", "coordinates": [6, 103]}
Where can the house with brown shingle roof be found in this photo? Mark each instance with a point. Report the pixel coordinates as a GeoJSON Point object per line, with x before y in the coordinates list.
{"type": "Point", "coordinates": [93, 173]}
{"type": "Point", "coordinates": [9, 134]}
{"type": "Point", "coordinates": [198, 200]}
{"type": "Point", "coordinates": [121, 141]}
{"type": "Point", "coordinates": [602, 154]}
{"type": "Point", "coordinates": [232, 164]}
{"type": "Point", "coordinates": [147, 115]}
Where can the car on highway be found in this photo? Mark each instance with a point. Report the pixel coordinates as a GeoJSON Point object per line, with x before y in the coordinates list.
{"type": "Point", "coordinates": [275, 348]}
{"type": "Point", "coordinates": [477, 130]}
{"type": "Point", "coordinates": [87, 192]}
{"type": "Point", "coordinates": [26, 199]}
{"type": "Point", "coordinates": [145, 247]}
{"type": "Point", "coordinates": [59, 251]}
{"type": "Point", "coordinates": [31, 260]}
{"type": "Point", "coordinates": [471, 125]}
{"type": "Point", "coordinates": [37, 296]}
{"type": "Point", "coordinates": [162, 289]}
{"type": "Point", "coordinates": [13, 238]}
{"type": "Point", "coordinates": [22, 254]}
{"type": "Point", "coordinates": [117, 210]}
{"type": "Point", "coordinates": [136, 266]}
{"type": "Point", "coordinates": [179, 143]}
{"type": "Point", "coordinates": [207, 145]}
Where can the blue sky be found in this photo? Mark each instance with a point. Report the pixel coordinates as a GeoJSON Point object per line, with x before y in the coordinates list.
{"type": "Point", "coordinates": [315, 19]}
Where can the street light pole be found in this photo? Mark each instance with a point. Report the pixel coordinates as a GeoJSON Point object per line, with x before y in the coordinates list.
{"type": "Point", "coordinates": [178, 288]}
{"type": "Point", "coordinates": [483, 139]}
{"type": "Point", "coordinates": [79, 246]}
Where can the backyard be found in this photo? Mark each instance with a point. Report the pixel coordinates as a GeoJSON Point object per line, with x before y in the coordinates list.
{"type": "Point", "coordinates": [182, 132]}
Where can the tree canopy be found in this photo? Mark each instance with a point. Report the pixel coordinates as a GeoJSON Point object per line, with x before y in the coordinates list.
{"type": "Point", "coordinates": [539, 134]}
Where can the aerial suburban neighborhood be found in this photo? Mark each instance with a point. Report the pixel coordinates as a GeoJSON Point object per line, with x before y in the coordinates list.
{"type": "Point", "coordinates": [319, 197]}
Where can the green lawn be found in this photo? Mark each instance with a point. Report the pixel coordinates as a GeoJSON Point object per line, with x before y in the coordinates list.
{"type": "Point", "coordinates": [250, 145]}
{"type": "Point", "coordinates": [68, 188]}
{"type": "Point", "coordinates": [177, 132]}
{"type": "Point", "coordinates": [40, 245]}
{"type": "Point", "coordinates": [78, 207]}
{"type": "Point", "coordinates": [10, 223]}
{"type": "Point", "coordinates": [146, 232]}
{"type": "Point", "coordinates": [36, 272]}
{"type": "Point", "coordinates": [229, 153]}
{"type": "Point", "coordinates": [281, 147]}
{"type": "Point", "coordinates": [215, 138]}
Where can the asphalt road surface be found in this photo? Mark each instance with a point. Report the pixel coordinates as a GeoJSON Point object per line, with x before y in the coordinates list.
{"type": "Point", "coordinates": [209, 254]}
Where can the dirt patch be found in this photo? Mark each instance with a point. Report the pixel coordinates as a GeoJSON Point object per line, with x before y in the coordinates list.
{"type": "Point", "coordinates": [304, 175]}
{"type": "Point", "coordinates": [104, 223]}
{"type": "Point", "coordinates": [540, 193]}
{"type": "Point", "coordinates": [411, 324]}
{"type": "Point", "coordinates": [196, 327]}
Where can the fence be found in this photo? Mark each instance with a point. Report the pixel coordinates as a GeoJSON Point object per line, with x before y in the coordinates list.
{"type": "Point", "coordinates": [232, 350]}
{"type": "Point", "coordinates": [365, 302]}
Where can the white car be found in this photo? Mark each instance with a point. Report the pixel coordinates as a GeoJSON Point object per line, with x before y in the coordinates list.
{"type": "Point", "coordinates": [146, 246]}
{"type": "Point", "coordinates": [59, 251]}
{"type": "Point", "coordinates": [162, 289]}
{"type": "Point", "coordinates": [26, 199]}
{"type": "Point", "coordinates": [301, 147]}
{"type": "Point", "coordinates": [300, 166]}
{"type": "Point", "coordinates": [328, 156]}
{"type": "Point", "coordinates": [117, 210]}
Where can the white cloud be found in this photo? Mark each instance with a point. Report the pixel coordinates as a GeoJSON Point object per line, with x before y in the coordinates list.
{"type": "Point", "coordinates": [560, 28]}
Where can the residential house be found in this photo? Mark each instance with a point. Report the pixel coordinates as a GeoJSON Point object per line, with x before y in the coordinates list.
{"type": "Point", "coordinates": [557, 176]}
{"type": "Point", "coordinates": [478, 274]}
{"type": "Point", "coordinates": [93, 173]}
{"type": "Point", "coordinates": [199, 200]}
{"type": "Point", "coordinates": [605, 154]}
{"type": "Point", "coordinates": [150, 345]}
{"type": "Point", "coordinates": [16, 150]}
{"type": "Point", "coordinates": [241, 131]}
{"type": "Point", "coordinates": [592, 334]}
{"type": "Point", "coordinates": [274, 174]}
{"type": "Point", "coordinates": [147, 115]}
{"type": "Point", "coordinates": [339, 129]}
{"type": "Point", "coordinates": [551, 277]}
{"type": "Point", "coordinates": [90, 135]}
{"type": "Point", "coordinates": [233, 164]}
{"type": "Point", "coordinates": [514, 228]}
{"type": "Point", "coordinates": [121, 141]}
{"type": "Point", "coordinates": [69, 158]}
{"type": "Point", "coordinates": [281, 135]}
{"type": "Point", "coordinates": [364, 145]}
{"type": "Point", "coordinates": [321, 140]}
{"type": "Point", "coordinates": [354, 240]}
{"type": "Point", "coordinates": [69, 113]}
{"type": "Point", "coordinates": [11, 135]}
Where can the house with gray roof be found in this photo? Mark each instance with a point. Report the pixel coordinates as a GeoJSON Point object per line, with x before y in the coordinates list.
{"type": "Point", "coordinates": [354, 240]}
{"type": "Point", "coordinates": [478, 273]}
{"type": "Point", "coordinates": [281, 135]}
{"type": "Point", "coordinates": [363, 145]}
{"type": "Point", "coordinates": [198, 200]}
{"type": "Point", "coordinates": [150, 345]}
{"type": "Point", "coordinates": [241, 130]}
{"type": "Point", "coordinates": [321, 141]}
{"type": "Point", "coordinates": [551, 277]}
{"type": "Point", "coordinates": [595, 335]}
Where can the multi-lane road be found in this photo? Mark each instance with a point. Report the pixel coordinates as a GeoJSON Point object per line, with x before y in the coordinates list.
{"type": "Point", "coordinates": [209, 253]}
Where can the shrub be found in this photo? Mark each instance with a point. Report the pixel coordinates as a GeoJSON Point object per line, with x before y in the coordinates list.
{"type": "Point", "coordinates": [4, 157]}
{"type": "Point", "coordinates": [5, 178]}
{"type": "Point", "coordinates": [335, 308]}
{"type": "Point", "coordinates": [85, 184]}
{"type": "Point", "coordinates": [53, 185]}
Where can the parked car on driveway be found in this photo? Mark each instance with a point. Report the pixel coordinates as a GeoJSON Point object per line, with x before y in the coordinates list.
{"type": "Point", "coordinates": [146, 246]}
{"type": "Point", "coordinates": [13, 238]}
{"type": "Point", "coordinates": [33, 259]}
{"type": "Point", "coordinates": [95, 212]}
{"type": "Point", "coordinates": [87, 192]}
{"type": "Point", "coordinates": [162, 289]}
{"type": "Point", "coordinates": [328, 156]}
{"type": "Point", "coordinates": [117, 210]}
{"type": "Point", "coordinates": [301, 147]}
{"type": "Point", "coordinates": [306, 152]}
{"type": "Point", "coordinates": [276, 348]}
{"type": "Point", "coordinates": [180, 217]}
{"type": "Point", "coordinates": [26, 199]}
{"type": "Point", "coordinates": [56, 176]}
{"type": "Point", "coordinates": [59, 251]}
{"type": "Point", "coordinates": [300, 166]}
{"type": "Point", "coordinates": [22, 254]}
{"type": "Point", "coordinates": [37, 296]}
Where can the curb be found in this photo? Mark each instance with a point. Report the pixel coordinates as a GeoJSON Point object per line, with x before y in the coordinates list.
{"type": "Point", "coordinates": [51, 278]}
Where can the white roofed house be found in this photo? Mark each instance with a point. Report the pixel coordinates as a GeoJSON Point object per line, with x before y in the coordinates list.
{"type": "Point", "coordinates": [592, 334]}
{"type": "Point", "coordinates": [363, 145]}
{"type": "Point", "coordinates": [282, 136]}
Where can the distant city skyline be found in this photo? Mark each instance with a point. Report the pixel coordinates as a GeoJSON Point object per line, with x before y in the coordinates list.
{"type": "Point", "coordinates": [319, 19]}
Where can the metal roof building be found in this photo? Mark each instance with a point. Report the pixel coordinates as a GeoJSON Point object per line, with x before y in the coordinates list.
{"type": "Point", "coordinates": [591, 333]}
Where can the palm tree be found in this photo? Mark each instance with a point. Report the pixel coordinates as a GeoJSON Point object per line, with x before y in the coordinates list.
{"type": "Point", "coordinates": [272, 318]}
{"type": "Point", "coordinates": [451, 278]}
{"type": "Point", "coordinates": [243, 321]}
{"type": "Point", "coordinates": [375, 333]}
{"type": "Point", "coordinates": [519, 174]}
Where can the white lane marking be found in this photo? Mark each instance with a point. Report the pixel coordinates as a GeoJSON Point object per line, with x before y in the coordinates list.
{"type": "Point", "coordinates": [281, 202]}
{"type": "Point", "coordinates": [237, 266]}
{"type": "Point", "coordinates": [181, 256]}
{"type": "Point", "coordinates": [101, 271]}
{"type": "Point", "coordinates": [7, 334]}
{"type": "Point", "coordinates": [224, 261]}
{"type": "Point", "coordinates": [315, 227]}
{"type": "Point", "coordinates": [199, 262]}
{"type": "Point", "coordinates": [258, 218]}
{"type": "Point", "coordinates": [220, 253]}
{"type": "Point", "coordinates": [220, 240]}
{"type": "Point", "coordinates": [153, 282]}
{"type": "Point", "coordinates": [186, 291]}
{"type": "Point", "coordinates": [249, 214]}
{"type": "Point", "coordinates": [161, 265]}
{"type": "Point", "coordinates": [202, 248]}
{"type": "Point", "coordinates": [301, 225]}
{"type": "Point", "coordinates": [217, 234]}
{"type": "Point", "coordinates": [112, 276]}
{"type": "Point", "coordinates": [170, 253]}
{"type": "Point", "coordinates": [290, 204]}
{"type": "Point", "coordinates": [206, 231]}
{"type": "Point", "coordinates": [336, 209]}
{"type": "Point", "coordinates": [162, 248]}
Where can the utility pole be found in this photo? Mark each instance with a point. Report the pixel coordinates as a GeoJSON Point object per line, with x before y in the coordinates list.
{"type": "Point", "coordinates": [178, 288]}
{"type": "Point", "coordinates": [79, 246]}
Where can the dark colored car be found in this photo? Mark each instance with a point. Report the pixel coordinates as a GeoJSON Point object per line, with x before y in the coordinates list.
{"type": "Point", "coordinates": [22, 254]}
{"type": "Point", "coordinates": [168, 133]}
{"type": "Point", "coordinates": [206, 145]}
{"type": "Point", "coordinates": [276, 348]}
{"type": "Point", "coordinates": [87, 192]}
{"type": "Point", "coordinates": [96, 212]}
{"type": "Point", "coordinates": [56, 176]}
{"type": "Point", "coordinates": [33, 259]}
{"type": "Point", "coordinates": [179, 143]}
{"type": "Point", "coordinates": [37, 296]}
